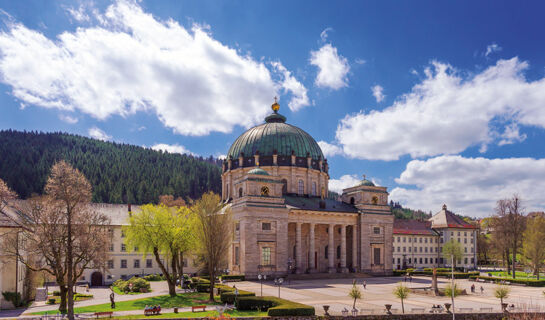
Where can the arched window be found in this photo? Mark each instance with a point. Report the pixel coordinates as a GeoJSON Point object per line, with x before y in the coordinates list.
{"type": "Point", "coordinates": [284, 186]}
{"type": "Point", "coordinates": [301, 187]}
{"type": "Point", "coordinates": [352, 201]}
{"type": "Point", "coordinates": [314, 189]}
{"type": "Point", "coordinates": [240, 192]}
{"type": "Point", "coordinates": [338, 252]}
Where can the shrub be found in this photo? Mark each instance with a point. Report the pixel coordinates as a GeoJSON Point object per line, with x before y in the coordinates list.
{"type": "Point", "coordinates": [51, 301]}
{"type": "Point", "coordinates": [13, 297]}
{"type": "Point", "coordinates": [138, 285]}
{"type": "Point", "coordinates": [277, 307]}
{"type": "Point", "coordinates": [56, 293]}
{"type": "Point", "coordinates": [154, 277]}
{"type": "Point", "coordinates": [232, 277]}
{"type": "Point", "coordinates": [254, 303]}
{"type": "Point", "coordinates": [440, 273]}
{"type": "Point", "coordinates": [227, 294]}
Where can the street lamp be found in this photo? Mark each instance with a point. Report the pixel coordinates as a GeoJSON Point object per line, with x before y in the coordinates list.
{"type": "Point", "coordinates": [261, 278]}
{"type": "Point", "coordinates": [278, 282]}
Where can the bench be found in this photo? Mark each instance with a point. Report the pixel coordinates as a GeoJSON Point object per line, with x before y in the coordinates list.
{"type": "Point", "coordinates": [486, 309]}
{"type": "Point", "coordinates": [103, 314]}
{"type": "Point", "coordinates": [465, 310]}
{"type": "Point", "coordinates": [417, 310]}
{"type": "Point", "coordinates": [202, 308]}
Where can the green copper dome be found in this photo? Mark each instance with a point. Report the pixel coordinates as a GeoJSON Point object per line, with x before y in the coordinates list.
{"type": "Point", "coordinates": [258, 171]}
{"type": "Point", "coordinates": [277, 135]}
{"type": "Point", "coordinates": [366, 183]}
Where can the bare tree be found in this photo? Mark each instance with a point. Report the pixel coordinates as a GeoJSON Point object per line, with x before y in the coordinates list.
{"type": "Point", "coordinates": [6, 194]}
{"type": "Point", "coordinates": [214, 233]}
{"type": "Point", "coordinates": [62, 235]}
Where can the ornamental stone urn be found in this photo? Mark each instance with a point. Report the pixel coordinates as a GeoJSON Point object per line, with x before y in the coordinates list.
{"type": "Point", "coordinates": [504, 307]}
{"type": "Point", "coordinates": [447, 306]}
{"type": "Point", "coordinates": [388, 307]}
{"type": "Point", "coordinates": [326, 309]}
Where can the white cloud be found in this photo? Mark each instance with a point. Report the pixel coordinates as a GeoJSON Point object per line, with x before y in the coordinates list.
{"type": "Point", "coordinates": [79, 14]}
{"type": "Point", "coordinates": [471, 186]}
{"type": "Point", "coordinates": [359, 61]}
{"type": "Point", "coordinates": [511, 135]}
{"type": "Point", "coordinates": [332, 67]}
{"type": "Point", "coordinates": [446, 114]}
{"type": "Point", "coordinates": [323, 34]}
{"type": "Point", "coordinates": [343, 182]}
{"type": "Point", "coordinates": [126, 60]}
{"type": "Point", "coordinates": [491, 48]}
{"type": "Point", "coordinates": [68, 119]}
{"type": "Point", "coordinates": [378, 92]}
{"type": "Point", "coordinates": [99, 134]}
{"type": "Point", "coordinates": [329, 150]}
{"type": "Point", "coordinates": [298, 91]}
{"type": "Point", "coordinates": [171, 148]}
{"type": "Point", "coordinates": [141, 128]}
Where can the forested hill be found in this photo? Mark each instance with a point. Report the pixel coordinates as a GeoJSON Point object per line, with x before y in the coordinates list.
{"type": "Point", "coordinates": [119, 173]}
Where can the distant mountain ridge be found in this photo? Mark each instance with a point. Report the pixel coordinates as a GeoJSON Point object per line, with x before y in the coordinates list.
{"type": "Point", "coordinates": [119, 173]}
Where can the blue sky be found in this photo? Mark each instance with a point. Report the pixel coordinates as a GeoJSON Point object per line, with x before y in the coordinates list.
{"type": "Point", "coordinates": [440, 102]}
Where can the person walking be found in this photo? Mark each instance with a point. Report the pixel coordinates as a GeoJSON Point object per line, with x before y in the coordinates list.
{"type": "Point", "coordinates": [482, 290]}
{"type": "Point", "coordinates": [364, 284]}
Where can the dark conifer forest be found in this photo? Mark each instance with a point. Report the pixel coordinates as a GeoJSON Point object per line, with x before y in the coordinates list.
{"type": "Point", "coordinates": [119, 173]}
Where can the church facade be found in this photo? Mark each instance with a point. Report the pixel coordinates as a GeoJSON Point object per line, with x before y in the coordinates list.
{"type": "Point", "coordinates": [275, 179]}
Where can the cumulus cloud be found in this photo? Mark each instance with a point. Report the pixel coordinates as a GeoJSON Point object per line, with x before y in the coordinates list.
{"type": "Point", "coordinates": [470, 186]}
{"type": "Point", "coordinates": [99, 134]}
{"type": "Point", "coordinates": [332, 67]}
{"type": "Point", "coordinates": [125, 60]}
{"type": "Point", "coordinates": [171, 148]}
{"type": "Point", "coordinates": [491, 48]}
{"type": "Point", "coordinates": [299, 97]}
{"type": "Point", "coordinates": [346, 181]}
{"type": "Point", "coordinates": [378, 92]}
{"type": "Point", "coordinates": [79, 14]}
{"type": "Point", "coordinates": [511, 135]}
{"type": "Point", "coordinates": [68, 119]}
{"type": "Point", "coordinates": [447, 113]}
{"type": "Point", "coordinates": [329, 150]}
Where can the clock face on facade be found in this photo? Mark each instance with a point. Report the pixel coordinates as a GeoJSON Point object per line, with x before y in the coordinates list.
{"type": "Point", "coordinates": [265, 191]}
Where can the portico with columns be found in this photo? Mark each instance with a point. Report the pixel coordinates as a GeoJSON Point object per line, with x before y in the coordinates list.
{"type": "Point", "coordinates": [275, 181]}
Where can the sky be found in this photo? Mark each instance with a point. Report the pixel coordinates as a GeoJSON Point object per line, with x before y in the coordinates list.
{"type": "Point", "coordinates": [441, 102]}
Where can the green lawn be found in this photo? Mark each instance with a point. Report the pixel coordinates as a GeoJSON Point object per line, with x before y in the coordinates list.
{"type": "Point", "coordinates": [77, 297]}
{"type": "Point", "coordinates": [518, 274]}
{"type": "Point", "coordinates": [232, 313]}
{"type": "Point", "coordinates": [180, 300]}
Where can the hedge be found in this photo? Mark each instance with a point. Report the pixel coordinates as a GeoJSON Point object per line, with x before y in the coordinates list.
{"type": "Point", "coordinates": [277, 307]}
{"type": "Point", "coordinates": [14, 298]}
{"type": "Point", "coordinates": [528, 282]}
{"type": "Point", "coordinates": [232, 277]}
{"type": "Point", "coordinates": [138, 285]}
{"type": "Point", "coordinates": [227, 294]}
{"type": "Point", "coordinates": [154, 277]}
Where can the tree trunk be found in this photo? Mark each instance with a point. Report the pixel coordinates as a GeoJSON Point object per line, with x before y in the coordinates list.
{"type": "Point", "coordinates": [508, 261]}
{"type": "Point", "coordinates": [70, 265]}
{"type": "Point", "coordinates": [212, 282]}
{"type": "Point", "coordinates": [62, 305]}
{"type": "Point", "coordinates": [402, 306]}
{"type": "Point", "coordinates": [181, 269]}
{"type": "Point", "coordinates": [171, 284]}
{"type": "Point", "coordinates": [514, 258]}
{"type": "Point", "coordinates": [174, 276]}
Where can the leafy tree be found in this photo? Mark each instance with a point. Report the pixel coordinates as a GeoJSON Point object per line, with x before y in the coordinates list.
{"type": "Point", "coordinates": [483, 245]}
{"type": "Point", "coordinates": [402, 292]}
{"type": "Point", "coordinates": [213, 233]}
{"type": "Point", "coordinates": [355, 293]}
{"type": "Point", "coordinates": [162, 231]}
{"type": "Point", "coordinates": [502, 292]}
{"type": "Point", "coordinates": [449, 292]}
{"type": "Point", "coordinates": [534, 243]}
{"type": "Point", "coordinates": [452, 249]}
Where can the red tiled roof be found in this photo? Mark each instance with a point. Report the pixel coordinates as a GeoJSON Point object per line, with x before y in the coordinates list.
{"type": "Point", "coordinates": [402, 226]}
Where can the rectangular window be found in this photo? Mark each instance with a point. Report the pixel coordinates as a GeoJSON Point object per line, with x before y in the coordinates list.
{"type": "Point", "coordinates": [409, 240]}
{"type": "Point", "coordinates": [465, 240]}
{"type": "Point", "coordinates": [472, 260]}
{"type": "Point", "coordinates": [376, 255]}
{"type": "Point", "coordinates": [426, 240]}
{"type": "Point", "coordinates": [185, 263]}
{"type": "Point", "coordinates": [237, 256]}
{"type": "Point", "coordinates": [376, 230]}
{"type": "Point", "coordinates": [123, 264]}
{"type": "Point", "coordinates": [266, 256]}
{"type": "Point", "coordinates": [465, 260]}
{"type": "Point", "coordinates": [398, 239]}
{"type": "Point", "coordinates": [135, 249]}
{"type": "Point", "coordinates": [458, 233]}
{"type": "Point", "coordinates": [465, 234]}
{"type": "Point", "coordinates": [111, 247]}
{"type": "Point", "coordinates": [420, 260]}
{"type": "Point", "coordinates": [122, 233]}
{"type": "Point", "coordinates": [237, 226]}
{"type": "Point", "coordinates": [441, 240]}
{"type": "Point", "coordinates": [110, 264]}
{"type": "Point", "coordinates": [426, 260]}
{"type": "Point", "coordinates": [404, 249]}
{"type": "Point", "coordinates": [149, 263]}
{"type": "Point", "coordinates": [398, 260]}
{"type": "Point", "coordinates": [410, 249]}
{"type": "Point", "coordinates": [426, 249]}
{"type": "Point", "coordinates": [136, 263]}
{"type": "Point", "coordinates": [409, 260]}
{"type": "Point", "coordinates": [123, 247]}
{"type": "Point", "coordinates": [465, 249]}
{"type": "Point", "coordinates": [420, 249]}
{"type": "Point", "coordinates": [266, 226]}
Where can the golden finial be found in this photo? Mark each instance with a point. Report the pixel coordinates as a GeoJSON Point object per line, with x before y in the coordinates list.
{"type": "Point", "coordinates": [275, 106]}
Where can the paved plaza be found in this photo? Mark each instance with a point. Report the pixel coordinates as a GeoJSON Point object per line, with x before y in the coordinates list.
{"type": "Point", "coordinates": [334, 292]}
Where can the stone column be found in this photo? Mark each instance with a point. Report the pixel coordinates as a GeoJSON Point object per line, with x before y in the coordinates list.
{"type": "Point", "coordinates": [343, 249]}
{"type": "Point", "coordinates": [355, 247]}
{"type": "Point", "coordinates": [298, 248]}
{"type": "Point", "coordinates": [331, 249]}
{"type": "Point", "coordinates": [312, 248]}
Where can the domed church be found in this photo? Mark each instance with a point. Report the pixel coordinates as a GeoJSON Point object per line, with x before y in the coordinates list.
{"type": "Point", "coordinates": [275, 179]}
